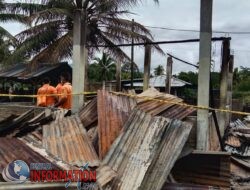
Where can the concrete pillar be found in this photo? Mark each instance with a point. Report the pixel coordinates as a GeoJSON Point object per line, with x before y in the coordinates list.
{"type": "Point", "coordinates": [147, 64]}
{"type": "Point", "coordinates": [169, 74]}
{"type": "Point", "coordinates": [79, 58]}
{"type": "Point", "coordinates": [204, 73]}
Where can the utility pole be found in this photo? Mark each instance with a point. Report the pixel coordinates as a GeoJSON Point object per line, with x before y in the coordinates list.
{"type": "Point", "coordinates": [118, 76]}
{"type": "Point", "coordinates": [204, 73]}
{"type": "Point", "coordinates": [169, 74]}
{"type": "Point", "coordinates": [79, 57]}
{"type": "Point", "coordinates": [224, 84]}
{"type": "Point", "coordinates": [147, 64]}
{"type": "Point", "coordinates": [132, 56]}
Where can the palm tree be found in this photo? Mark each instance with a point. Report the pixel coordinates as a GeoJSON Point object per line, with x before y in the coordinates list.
{"type": "Point", "coordinates": [6, 42]}
{"type": "Point", "coordinates": [103, 68]}
{"type": "Point", "coordinates": [159, 70]}
{"type": "Point", "coordinates": [49, 37]}
{"type": "Point", "coordinates": [126, 71]}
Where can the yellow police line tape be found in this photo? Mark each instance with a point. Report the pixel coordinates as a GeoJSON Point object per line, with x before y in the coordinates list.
{"type": "Point", "coordinates": [138, 97]}
{"type": "Point", "coordinates": [182, 104]}
{"type": "Point", "coordinates": [35, 96]}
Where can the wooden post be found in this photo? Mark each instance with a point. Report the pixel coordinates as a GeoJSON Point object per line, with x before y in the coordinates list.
{"type": "Point", "coordinates": [147, 63]}
{"type": "Point", "coordinates": [79, 57]}
{"type": "Point", "coordinates": [118, 76]}
{"type": "Point", "coordinates": [204, 73]}
{"type": "Point", "coordinates": [132, 56]}
{"type": "Point", "coordinates": [224, 117]}
{"type": "Point", "coordinates": [169, 74]}
{"type": "Point", "coordinates": [230, 87]}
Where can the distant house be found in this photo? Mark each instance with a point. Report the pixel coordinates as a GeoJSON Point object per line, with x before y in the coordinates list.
{"type": "Point", "coordinates": [158, 82]}
{"type": "Point", "coordinates": [27, 80]}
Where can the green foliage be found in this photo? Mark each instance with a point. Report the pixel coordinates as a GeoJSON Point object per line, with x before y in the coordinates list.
{"type": "Point", "coordinates": [241, 84]}
{"type": "Point", "coordinates": [242, 79]}
{"type": "Point", "coordinates": [126, 71]}
{"type": "Point", "coordinates": [103, 69]}
{"type": "Point", "coordinates": [159, 70]}
{"type": "Point", "coordinates": [127, 75]}
{"type": "Point", "coordinates": [49, 33]}
{"type": "Point", "coordinates": [190, 77]}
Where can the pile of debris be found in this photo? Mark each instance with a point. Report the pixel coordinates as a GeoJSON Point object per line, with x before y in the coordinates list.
{"type": "Point", "coordinates": [131, 143]}
{"type": "Point", "coordinates": [237, 142]}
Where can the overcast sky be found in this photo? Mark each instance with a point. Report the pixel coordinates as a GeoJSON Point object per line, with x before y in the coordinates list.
{"type": "Point", "coordinates": [228, 15]}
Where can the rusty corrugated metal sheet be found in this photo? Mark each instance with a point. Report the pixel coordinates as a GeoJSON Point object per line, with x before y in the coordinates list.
{"type": "Point", "coordinates": [21, 71]}
{"type": "Point", "coordinates": [237, 139]}
{"type": "Point", "coordinates": [172, 142]}
{"type": "Point", "coordinates": [14, 149]}
{"type": "Point", "coordinates": [177, 112]}
{"type": "Point", "coordinates": [113, 112]}
{"type": "Point", "coordinates": [35, 137]}
{"type": "Point", "coordinates": [88, 114]}
{"type": "Point", "coordinates": [8, 127]}
{"type": "Point", "coordinates": [178, 186]}
{"type": "Point", "coordinates": [67, 139]}
{"type": "Point", "coordinates": [169, 110]}
{"type": "Point", "coordinates": [146, 142]}
{"type": "Point", "coordinates": [204, 168]}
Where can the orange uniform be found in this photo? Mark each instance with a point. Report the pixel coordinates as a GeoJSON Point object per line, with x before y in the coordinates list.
{"type": "Point", "coordinates": [66, 92]}
{"type": "Point", "coordinates": [42, 99]}
{"type": "Point", "coordinates": [59, 88]}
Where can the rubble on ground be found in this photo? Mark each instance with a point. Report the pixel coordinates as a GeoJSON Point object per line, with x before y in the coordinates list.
{"type": "Point", "coordinates": [133, 143]}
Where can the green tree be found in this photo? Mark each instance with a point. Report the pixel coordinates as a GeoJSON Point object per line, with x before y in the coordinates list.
{"type": "Point", "coordinates": [242, 79]}
{"type": "Point", "coordinates": [159, 70]}
{"type": "Point", "coordinates": [190, 77]}
{"type": "Point", "coordinates": [7, 41]}
{"type": "Point", "coordinates": [50, 33]}
{"type": "Point", "coordinates": [103, 69]}
{"type": "Point", "coordinates": [126, 71]}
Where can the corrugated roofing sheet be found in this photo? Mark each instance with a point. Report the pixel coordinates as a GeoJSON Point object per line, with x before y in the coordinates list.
{"type": "Point", "coordinates": [237, 139]}
{"type": "Point", "coordinates": [179, 186]}
{"type": "Point", "coordinates": [67, 139]}
{"type": "Point", "coordinates": [14, 149]}
{"type": "Point", "coordinates": [172, 142]}
{"type": "Point", "coordinates": [204, 168]}
{"type": "Point", "coordinates": [146, 142]}
{"type": "Point", "coordinates": [21, 71]}
{"type": "Point", "coordinates": [88, 114]}
{"type": "Point", "coordinates": [113, 112]}
{"type": "Point", "coordinates": [165, 109]}
{"type": "Point", "coordinates": [160, 81]}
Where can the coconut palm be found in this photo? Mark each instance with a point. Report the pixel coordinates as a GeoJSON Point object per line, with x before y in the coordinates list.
{"type": "Point", "coordinates": [159, 70]}
{"type": "Point", "coordinates": [6, 41]}
{"type": "Point", "coordinates": [49, 37]}
{"type": "Point", "coordinates": [102, 69]}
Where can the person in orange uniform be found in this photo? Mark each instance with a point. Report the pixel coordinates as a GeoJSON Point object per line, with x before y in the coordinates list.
{"type": "Point", "coordinates": [65, 94]}
{"type": "Point", "coordinates": [59, 88]}
{"type": "Point", "coordinates": [46, 94]}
